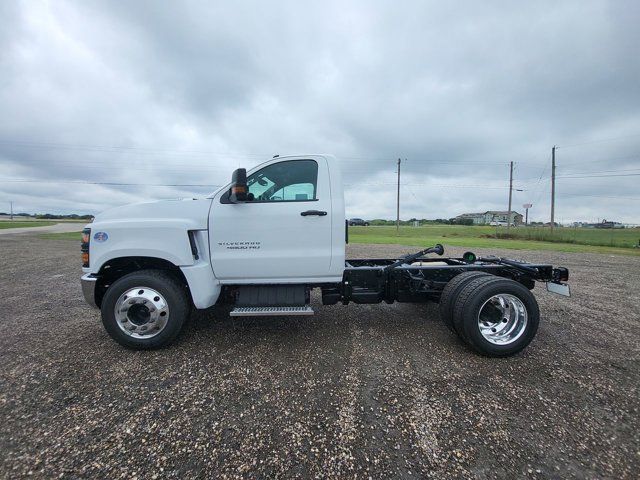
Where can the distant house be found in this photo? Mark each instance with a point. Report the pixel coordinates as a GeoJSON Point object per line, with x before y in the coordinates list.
{"type": "Point", "coordinates": [487, 217]}
{"type": "Point", "coordinates": [476, 218]}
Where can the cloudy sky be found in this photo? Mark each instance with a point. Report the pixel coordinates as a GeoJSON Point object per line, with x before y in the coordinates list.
{"type": "Point", "coordinates": [150, 94]}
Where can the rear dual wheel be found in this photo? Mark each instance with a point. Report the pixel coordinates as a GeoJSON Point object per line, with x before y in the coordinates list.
{"type": "Point", "coordinates": [450, 293]}
{"type": "Point", "coordinates": [495, 316]}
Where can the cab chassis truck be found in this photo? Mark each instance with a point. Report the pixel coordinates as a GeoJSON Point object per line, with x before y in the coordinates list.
{"type": "Point", "coordinates": [264, 241]}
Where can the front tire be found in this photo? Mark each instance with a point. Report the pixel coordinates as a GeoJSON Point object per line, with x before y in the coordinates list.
{"type": "Point", "coordinates": [497, 317]}
{"type": "Point", "coordinates": [145, 309]}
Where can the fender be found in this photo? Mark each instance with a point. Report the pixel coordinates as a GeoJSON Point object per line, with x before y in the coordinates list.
{"type": "Point", "coordinates": [203, 286]}
{"type": "Point", "coordinates": [166, 239]}
{"type": "Point", "coordinates": [152, 229]}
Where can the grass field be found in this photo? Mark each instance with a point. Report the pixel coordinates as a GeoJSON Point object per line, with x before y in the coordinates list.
{"type": "Point", "coordinates": [480, 237]}
{"type": "Point", "coordinates": [563, 240]}
{"type": "Point", "coordinates": [62, 236]}
{"type": "Point", "coordinates": [23, 224]}
{"type": "Point", "coordinates": [624, 237]}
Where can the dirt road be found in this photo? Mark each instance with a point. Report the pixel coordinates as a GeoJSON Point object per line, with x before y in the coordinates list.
{"type": "Point", "coordinates": [57, 228]}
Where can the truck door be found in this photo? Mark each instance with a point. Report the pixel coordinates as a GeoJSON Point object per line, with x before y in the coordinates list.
{"type": "Point", "coordinates": [282, 234]}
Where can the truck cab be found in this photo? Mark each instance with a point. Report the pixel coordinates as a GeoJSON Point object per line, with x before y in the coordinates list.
{"type": "Point", "coordinates": [289, 227]}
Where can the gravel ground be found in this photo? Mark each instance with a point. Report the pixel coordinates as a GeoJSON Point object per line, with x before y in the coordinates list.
{"type": "Point", "coordinates": [354, 391]}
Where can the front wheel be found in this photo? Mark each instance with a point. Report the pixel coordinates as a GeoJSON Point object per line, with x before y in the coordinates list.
{"type": "Point", "coordinates": [145, 309]}
{"type": "Point", "coordinates": [498, 316]}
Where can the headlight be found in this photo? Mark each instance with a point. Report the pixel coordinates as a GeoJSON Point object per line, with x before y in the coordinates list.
{"type": "Point", "coordinates": [84, 246]}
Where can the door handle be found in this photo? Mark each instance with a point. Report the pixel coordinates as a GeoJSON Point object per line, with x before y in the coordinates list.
{"type": "Point", "coordinates": [319, 213]}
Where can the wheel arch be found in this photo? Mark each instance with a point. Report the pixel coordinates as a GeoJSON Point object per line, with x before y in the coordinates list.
{"type": "Point", "coordinates": [116, 268]}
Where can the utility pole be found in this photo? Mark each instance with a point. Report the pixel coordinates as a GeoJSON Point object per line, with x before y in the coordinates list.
{"type": "Point", "coordinates": [553, 186]}
{"type": "Point", "coordinates": [11, 203]}
{"type": "Point", "coordinates": [510, 194]}
{"type": "Point", "coordinates": [398, 202]}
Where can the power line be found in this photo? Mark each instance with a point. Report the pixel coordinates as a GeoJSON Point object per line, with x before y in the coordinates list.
{"type": "Point", "coordinates": [381, 184]}
{"type": "Point", "coordinates": [155, 151]}
{"type": "Point", "coordinates": [112, 184]}
{"type": "Point", "coordinates": [601, 160]}
{"type": "Point", "coordinates": [591, 174]}
{"type": "Point", "coordinates": [434, 162]}
{"type": "Point", "coordinates": [600, 176]}
{"type": "Point", "coordinates": [599, 141]}
{"type": "Point", "coordinates": [120, 184]}
{"type": "Point", "coordinates": [110, 148]}
{"type": "Point", "coordinates": [159, 151]}
{"type": "Point", "coordinates": [177, 167]}
{"type": "Point", "coordinates": [622, 197]}
{"type": "Point", "coordinates": [606, 171]}
{"type": "Point", "coordinates": [538, 184]}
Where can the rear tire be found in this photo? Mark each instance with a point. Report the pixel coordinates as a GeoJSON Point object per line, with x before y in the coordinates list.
{"type": "Point", "coordinates": [145, 309]}
{"type": "Point", "coordinates": [450, 293]}
{"type": "Point", "coordinates": [497, 317]}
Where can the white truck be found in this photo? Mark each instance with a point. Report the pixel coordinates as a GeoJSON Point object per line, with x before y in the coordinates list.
{"type": "Point", "coordinates": [264, 241]}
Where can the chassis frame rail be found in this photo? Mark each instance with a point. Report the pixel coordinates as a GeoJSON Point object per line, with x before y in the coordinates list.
{"type": "Point", "coordinates": [418, 279]}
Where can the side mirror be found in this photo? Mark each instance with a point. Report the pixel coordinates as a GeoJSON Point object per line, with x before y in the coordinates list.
{"type": "Point", "coordinates": [238, 186]}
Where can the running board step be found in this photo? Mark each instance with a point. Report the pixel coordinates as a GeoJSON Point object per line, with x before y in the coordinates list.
{"type": "Point", "coordinates": [270, 311]}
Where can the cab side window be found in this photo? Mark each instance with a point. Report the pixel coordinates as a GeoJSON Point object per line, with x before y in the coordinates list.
{"type": "Point", "coordinates": [288, 181]}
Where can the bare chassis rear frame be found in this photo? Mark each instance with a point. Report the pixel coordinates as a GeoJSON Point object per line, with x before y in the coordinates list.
{"type": "Point", "coordinates": [401, 280]}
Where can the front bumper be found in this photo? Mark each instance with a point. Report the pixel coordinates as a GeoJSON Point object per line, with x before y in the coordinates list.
{"type": "Point", "coordinates": [88, 282]}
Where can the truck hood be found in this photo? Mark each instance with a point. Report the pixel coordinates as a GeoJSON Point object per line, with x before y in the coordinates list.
{"type": "Point", "coordinates": [193, 211]}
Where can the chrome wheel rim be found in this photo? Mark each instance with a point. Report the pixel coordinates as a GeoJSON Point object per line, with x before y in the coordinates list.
{"type": "Point", "coordinates": [141, 312]}
{"type": "Point", "coordinates": [502, 319]}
